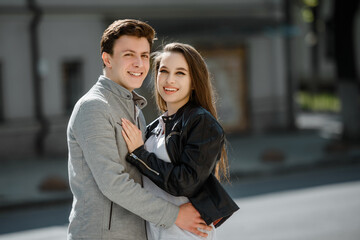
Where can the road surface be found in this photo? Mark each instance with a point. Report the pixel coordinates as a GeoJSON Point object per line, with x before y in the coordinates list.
{"type": "Point", "coordinates": [315, 205]}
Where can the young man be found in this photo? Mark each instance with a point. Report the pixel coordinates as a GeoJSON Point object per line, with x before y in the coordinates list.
{"type": "Point", "coordinates": [109, 202]}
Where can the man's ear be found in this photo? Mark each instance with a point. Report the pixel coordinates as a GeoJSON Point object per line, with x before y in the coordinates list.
{"type": "Point", "coordinates": [106, 59]}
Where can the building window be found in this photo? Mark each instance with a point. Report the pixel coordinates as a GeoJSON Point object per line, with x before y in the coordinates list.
{"type": "Point", "coordinates": [227, 69]}
{"type": "Point", "coordinates": [72, 82]}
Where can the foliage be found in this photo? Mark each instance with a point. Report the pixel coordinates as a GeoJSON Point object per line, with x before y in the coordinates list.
{"type": "Point", "coordinates": [318, 102]}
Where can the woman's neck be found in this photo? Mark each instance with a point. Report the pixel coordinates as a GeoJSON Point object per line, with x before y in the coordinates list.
{"type": "Point", "coordinates": [172, 109]}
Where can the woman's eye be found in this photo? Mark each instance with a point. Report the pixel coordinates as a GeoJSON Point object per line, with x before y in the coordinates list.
{"type": "Point", "coordinates": [163, 71]}
{"type": "Point", "coordinates": [180, 73]}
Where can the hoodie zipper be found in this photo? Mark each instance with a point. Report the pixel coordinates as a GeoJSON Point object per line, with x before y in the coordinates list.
{"type": "Point", "coordinates": [136, 157]}
{"type": "Point", "coordinates": [111, 207]}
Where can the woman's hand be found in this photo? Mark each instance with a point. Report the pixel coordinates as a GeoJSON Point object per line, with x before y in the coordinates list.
{"type": "Point", "coordinates": [132, 135]}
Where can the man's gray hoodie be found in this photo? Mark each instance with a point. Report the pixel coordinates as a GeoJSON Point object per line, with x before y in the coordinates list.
{"type": "Point", "coordinates": [108, 200]}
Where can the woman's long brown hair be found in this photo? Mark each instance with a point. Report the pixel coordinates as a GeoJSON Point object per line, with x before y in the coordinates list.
{"type": "Point", "coordinates": [202, 94]}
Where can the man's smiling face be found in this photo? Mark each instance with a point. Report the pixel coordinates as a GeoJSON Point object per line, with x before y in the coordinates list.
{"type": "Point", "coordinates": [129, 63]}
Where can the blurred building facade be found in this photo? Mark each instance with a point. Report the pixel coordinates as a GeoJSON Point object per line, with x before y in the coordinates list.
{"type": "Point", "coordinates": [50, 56]}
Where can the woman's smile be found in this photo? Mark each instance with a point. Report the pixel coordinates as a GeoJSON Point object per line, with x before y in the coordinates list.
{"type": "Point", "coordinates": [170, 90]}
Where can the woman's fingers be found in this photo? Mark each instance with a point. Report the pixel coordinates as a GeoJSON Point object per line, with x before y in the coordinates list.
{"type": "Point", "coordinates": [204, 227]}
{"type": "Point", "coordinates": [125, 136]}
{"type": "Point", "coordinates": [199, 233]}
{"type": "Point", "coordinates": [134, 138]}
{"type": "Point", "coordinates": [130, 128]}
{"type": "Point", "coordinates": [130, 145]}
{"type": "Point", "coordinates": [127, 140]}
{"type": "Point", "coordinates": [130, 124]}
{"type": "Point", "coordinates": [126, 127]}
{"type": "Point", "coordinates": [126, 132]}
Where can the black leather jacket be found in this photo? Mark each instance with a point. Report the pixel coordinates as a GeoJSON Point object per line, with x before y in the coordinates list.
{"type": "Point", "coordinates": [194, 140]}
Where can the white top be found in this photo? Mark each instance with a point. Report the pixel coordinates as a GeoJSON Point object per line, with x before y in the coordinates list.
{"type": "Point", "coordinates": [156, 144]}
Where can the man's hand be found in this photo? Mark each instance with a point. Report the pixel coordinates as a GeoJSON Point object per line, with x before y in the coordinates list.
{"type": "Point", "coordinates": [190, 220]}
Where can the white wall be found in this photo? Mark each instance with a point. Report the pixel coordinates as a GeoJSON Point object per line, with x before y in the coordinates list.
{"type": "Point", "coordinates": [16, 66]}
{"type": "Point", "coordinates": [67, 37]}
{"type": "Point", "coordinates": [266, 82]}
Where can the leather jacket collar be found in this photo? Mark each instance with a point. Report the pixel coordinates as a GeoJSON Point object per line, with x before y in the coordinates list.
{"type": "Point", "coordinates": [177, 115]}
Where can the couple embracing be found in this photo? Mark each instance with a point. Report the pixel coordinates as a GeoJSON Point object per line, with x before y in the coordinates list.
{"type": "Point", "coordinates": [160, 181]}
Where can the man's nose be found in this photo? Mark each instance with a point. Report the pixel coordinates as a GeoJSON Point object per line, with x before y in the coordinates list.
{"type": "Point", "coordinates": [138, 62]}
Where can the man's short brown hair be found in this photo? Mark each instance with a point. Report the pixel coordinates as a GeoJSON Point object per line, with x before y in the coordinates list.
{"type": "Point", "coordinates": [130, 27]}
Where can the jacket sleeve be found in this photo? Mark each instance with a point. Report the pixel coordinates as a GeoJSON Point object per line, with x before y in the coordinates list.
{"type": "Point", "coordinates": [95, 134]}
{"type": "Point", "coordinates": [202, 149]}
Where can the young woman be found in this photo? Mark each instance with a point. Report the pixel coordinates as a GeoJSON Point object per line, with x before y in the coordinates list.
{"type": "Point", "coordinates": [184, 153]}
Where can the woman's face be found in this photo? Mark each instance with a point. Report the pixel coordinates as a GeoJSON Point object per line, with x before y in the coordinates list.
{"type": "Point", "coordinates": [173, 81]}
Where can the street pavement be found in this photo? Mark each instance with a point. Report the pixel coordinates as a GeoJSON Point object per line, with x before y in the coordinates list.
{"type": "Point", "coordinates": [250, 157]}
{"type": "Point", "coordinates": [328, 212]}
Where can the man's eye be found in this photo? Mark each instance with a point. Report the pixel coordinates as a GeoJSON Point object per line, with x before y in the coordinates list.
{"type": "Point", "coordinates": [145, 56]}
